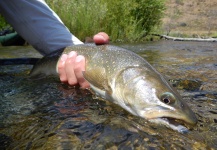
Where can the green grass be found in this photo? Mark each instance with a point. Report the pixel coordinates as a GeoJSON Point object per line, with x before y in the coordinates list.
{"type": "Point", "coordinates": [3, 23]}
{"type": "Point", "coordinates": [214, 35]}
{"type": "Point", "coordinates": [122, 20]}
{"type": "Point", "coordinates": [126, 20]}
{"type": "Point", "coordinates": [83, 18]}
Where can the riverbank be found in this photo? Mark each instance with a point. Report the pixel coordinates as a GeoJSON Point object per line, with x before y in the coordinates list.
{"type": "Point", "coordinates": [184, 18]}
{"type": "Point", "coordinates": [126, 22]}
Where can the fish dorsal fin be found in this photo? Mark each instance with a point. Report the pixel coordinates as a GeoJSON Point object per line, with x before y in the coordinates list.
{"type": "Point", "coordinates": [97, 77]}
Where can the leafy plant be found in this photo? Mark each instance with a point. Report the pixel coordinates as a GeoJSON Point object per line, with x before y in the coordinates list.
{"type": "Point", "coordinates": [3, 23]}
{"type": "Point", "coordinates": [126, 20]}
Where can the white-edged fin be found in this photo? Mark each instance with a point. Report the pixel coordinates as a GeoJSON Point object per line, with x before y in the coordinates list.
{"type": "Point", "coordinates": [98, 92]}
{"type": "Point", "coordinates": [179, 128]}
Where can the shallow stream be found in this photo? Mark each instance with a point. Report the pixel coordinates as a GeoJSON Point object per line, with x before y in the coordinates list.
{"type": "Point", "coordinates": [45, 114]}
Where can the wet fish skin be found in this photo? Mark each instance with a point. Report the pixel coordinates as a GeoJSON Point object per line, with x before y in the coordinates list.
{"type": "Point", "coordinates": [128, 80]}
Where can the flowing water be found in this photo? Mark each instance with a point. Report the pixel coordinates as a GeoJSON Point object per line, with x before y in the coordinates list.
{"type": "Point", "coordinates": [45, 114]}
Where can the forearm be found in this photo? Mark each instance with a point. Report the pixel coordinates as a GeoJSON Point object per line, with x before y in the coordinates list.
{"type": "Point", "coordinates": [37, 24]}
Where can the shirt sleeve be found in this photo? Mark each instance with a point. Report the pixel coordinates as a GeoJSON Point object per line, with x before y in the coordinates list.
{"type": "Point", "coordinates": [37, 24]}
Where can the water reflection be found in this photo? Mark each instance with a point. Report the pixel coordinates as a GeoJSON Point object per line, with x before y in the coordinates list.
{"type": "Point", "coordinates": [46, 114]}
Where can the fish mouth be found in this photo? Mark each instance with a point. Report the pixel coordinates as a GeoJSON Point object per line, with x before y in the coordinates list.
{"type": "Point", "coordinates": [175, 124]}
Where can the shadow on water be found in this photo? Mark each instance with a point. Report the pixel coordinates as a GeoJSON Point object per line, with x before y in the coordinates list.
{"type": "Point", "coordinates": [45, 114]}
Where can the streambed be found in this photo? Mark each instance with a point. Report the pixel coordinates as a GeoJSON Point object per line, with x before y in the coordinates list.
{"type": "Point", "coordinates": [45, 114]}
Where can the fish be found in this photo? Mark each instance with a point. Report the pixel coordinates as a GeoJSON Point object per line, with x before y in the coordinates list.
{"type": "Point", "coordinates": [128, 80]}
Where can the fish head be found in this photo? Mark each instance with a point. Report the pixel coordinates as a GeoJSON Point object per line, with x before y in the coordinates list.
{"type": "Point", "coordinates": [148, 95]}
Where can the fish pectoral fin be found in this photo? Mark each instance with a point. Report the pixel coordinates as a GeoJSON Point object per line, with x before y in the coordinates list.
{"type": "Point", "coordinates": [108, 88]}
{"type": "Point", "coordinates": [97, 77]}
{"type": "Point", "coordinates": [102, 94]}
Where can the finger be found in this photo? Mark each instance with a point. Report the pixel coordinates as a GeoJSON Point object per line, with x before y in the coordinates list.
{"type": "Point", "coordinates": [79, 68]}
{"type": "Point", "coordinates": [101, 38]}
{"type": "Point", "coordinates": [105, 36]}
{"type": "Point", "coordinates": [69, 68]}
{"type": "Point", "coordinates": [61, 68]}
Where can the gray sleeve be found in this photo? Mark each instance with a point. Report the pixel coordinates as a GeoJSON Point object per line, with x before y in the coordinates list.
{"type": "Point", "coordinates": [37, 24]}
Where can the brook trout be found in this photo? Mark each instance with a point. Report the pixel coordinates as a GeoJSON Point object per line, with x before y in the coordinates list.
{"type": "Point", "coordinates": [126, 79]}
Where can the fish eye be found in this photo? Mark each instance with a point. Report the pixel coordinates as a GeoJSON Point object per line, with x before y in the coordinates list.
{"type": "Point", "coordinates": [167, 98]}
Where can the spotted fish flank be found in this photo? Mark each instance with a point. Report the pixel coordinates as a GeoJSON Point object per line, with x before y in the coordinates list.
{"type": "Point", "coordinates": [124, 78]}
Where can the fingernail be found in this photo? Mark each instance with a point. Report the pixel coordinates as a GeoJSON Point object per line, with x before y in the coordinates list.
{"type": "Point", "coordinates": [72, 54]}
{"type": "Point", "coordinates": [64, 57]}
{"type": "Point", "coordinates": [79, 58]}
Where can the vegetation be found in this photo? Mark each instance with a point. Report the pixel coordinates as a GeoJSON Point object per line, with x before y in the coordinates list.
{"type": "Point", "coordinates": [132, 20]}
{"type": "Point", "coordinates": [126, 20]}
{"type": "Point", "coordinates": [3, 23]}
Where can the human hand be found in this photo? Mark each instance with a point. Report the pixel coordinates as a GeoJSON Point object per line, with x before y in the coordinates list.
{"type": "Point", "coordinates": [71, 66]}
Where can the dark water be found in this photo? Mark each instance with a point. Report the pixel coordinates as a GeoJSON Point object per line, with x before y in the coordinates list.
{"type": "Point", "coordinates": [45, 114]}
